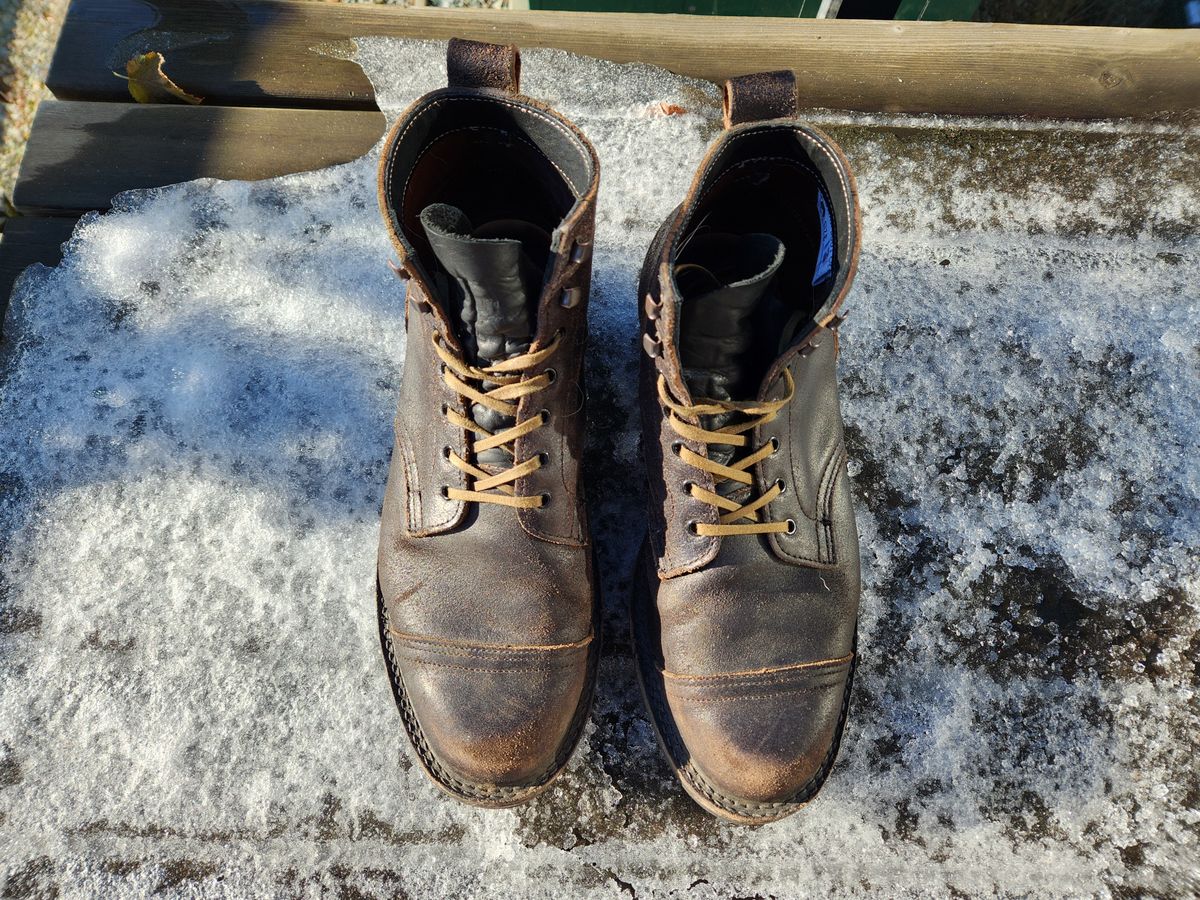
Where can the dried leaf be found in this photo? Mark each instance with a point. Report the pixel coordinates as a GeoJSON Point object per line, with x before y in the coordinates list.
{"type": "Point", "coordinates": [148, 83]}
{"type": "Point", "coordinates": [671, 109]}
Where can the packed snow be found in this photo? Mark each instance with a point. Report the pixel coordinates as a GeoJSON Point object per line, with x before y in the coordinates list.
{"type": "Point", "coordinates": [194, 429]}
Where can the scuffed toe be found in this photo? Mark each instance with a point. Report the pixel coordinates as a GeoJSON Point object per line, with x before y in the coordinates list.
{"type": "Point", "coordinates": [760, 742]}
{"type": "Point", "coordinates": [491, 719]}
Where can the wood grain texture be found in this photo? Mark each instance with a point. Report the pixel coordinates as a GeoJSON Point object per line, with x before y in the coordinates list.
{"type": "Point", "coordinates": [262, 52]}
{"type": "Point", "coordinates": [82, 153]}
{"type": "Point", "coordinates": [27, 240]}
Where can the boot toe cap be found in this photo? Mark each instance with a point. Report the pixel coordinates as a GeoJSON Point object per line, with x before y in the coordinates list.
{"type": "Point", "coordinates": [492, 717]}
{"type": "Point", "coordinates": [761, 738]}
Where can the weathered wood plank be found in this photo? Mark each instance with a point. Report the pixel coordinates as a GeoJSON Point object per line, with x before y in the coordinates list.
{"type": "Point", "coordinates": [262, 52]}
{"type": "Point", "coordinates": [81, 153]}
{"type": "Point", "coordinates": [27, 240]}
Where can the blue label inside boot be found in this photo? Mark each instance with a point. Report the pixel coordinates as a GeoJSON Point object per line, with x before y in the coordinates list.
{"type": "Point", "coordinates": [825, 255]}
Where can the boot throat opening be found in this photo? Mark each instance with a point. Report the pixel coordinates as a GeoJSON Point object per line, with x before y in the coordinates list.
{"type": "Point", "coordinates": [492, 156]}
{"type": "Point", "coordinates": [763, 183]}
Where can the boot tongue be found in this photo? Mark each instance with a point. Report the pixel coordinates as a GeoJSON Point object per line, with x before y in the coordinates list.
{"type": "Point", "coordinates": [495, 274]}
{"type": "Point", "coordinates": [720, 297]}
{"type": "Point", "coordinates": [721, 293]}
{"type": "Point", "coordinates": [491, 281]}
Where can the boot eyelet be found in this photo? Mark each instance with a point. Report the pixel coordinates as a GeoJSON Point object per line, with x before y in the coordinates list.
{"type": "Point", "coordinates": [445, 492]}
{"type": "Point", "coordinates": [552, 375]}
{"type": "Point", "coordinates": [445, 408]}
{"type": "Point", "coordinates": [543, 458]}
{"type": "Point", "coordinates": [774, 445]}
{"type": "Point", "coordinates": [446, 452]}
{"type": "Point", "coordinates": [545, 497]}
{"type": "Point", "coordinates": [693, 527]}
{"type": "Point", "coordinates": [687, 487]}
{"type": "Point", "coordinates": [791, 526]}
{"type": "Point", "coordinates": [578, 252]}
{"type": "Point", "coordinates": [545, 414]}
{"type": "Point", "coordinates": [676, 447]}
{"type": "Point", "coordinates": [779, 483]}
{"type": "Point", "coordinates": [570, 298]}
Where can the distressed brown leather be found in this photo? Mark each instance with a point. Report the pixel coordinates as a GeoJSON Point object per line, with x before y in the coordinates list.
{"type": "Point", "coordinates": [473, 64]}
{"type": "Point", "coordinates": [487, 612]}
{"type": "Point", "coordinates": [746, 642]}
{"type": "Point", "coordinates": [761, 96]}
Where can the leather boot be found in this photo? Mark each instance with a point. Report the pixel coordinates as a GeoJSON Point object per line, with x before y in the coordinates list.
{"type": "Point", "coordinates": [746, 598]}
{"type": "Point", "coordinates": [486, 588]}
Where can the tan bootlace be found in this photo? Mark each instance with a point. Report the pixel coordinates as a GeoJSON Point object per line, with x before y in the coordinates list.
{"type": "Point", "coordinates": [511, 384]}
{"type": "Point", "coordinates": [760, 413]}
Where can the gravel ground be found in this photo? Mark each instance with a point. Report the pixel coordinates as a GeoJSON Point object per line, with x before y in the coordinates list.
{"type": "Point", "coordinates": [28, 30]}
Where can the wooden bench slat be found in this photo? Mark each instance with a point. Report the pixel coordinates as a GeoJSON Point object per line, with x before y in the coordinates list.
{"type": "Point", "coordinates": [28, 240]}
{"type": "Point", "coordinates": [82, 153]}
{"type": "Point", "coordinates": [263, 52]}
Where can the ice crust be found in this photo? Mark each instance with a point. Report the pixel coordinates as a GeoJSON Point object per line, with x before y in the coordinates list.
{"type": "Point", "coordinates": [194, 428]}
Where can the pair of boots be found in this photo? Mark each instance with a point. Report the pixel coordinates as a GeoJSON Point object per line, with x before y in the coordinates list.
{"type": "Point", "coordinates": [746, 592]}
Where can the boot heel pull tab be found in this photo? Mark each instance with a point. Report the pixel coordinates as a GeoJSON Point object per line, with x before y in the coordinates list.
{"type": "Point", "coordinates": [764, 95]}
{"type": "Point", "coordinates": [474, 64]}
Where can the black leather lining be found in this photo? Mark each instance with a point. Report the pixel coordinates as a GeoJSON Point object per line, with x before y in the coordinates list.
{"type": "Point", "coordinates": [491, 155]}
{"type": "Point", "coordinates": [767, 179]}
